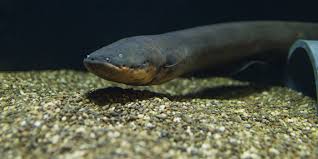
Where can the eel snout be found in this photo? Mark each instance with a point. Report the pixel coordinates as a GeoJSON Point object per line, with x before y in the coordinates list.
{"type": "Point", "coordinates": [121, 74]}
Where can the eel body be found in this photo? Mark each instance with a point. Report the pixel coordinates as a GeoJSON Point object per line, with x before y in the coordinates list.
{"type": "Point", "coordinates": [155, 59]}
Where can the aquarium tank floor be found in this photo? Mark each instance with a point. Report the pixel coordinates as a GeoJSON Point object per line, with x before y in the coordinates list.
{"type": "Point", "coordinates": [73, 114]}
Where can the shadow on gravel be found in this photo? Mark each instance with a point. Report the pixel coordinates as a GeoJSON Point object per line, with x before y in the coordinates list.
{"type": "Point", "coordinates": [119, 95]}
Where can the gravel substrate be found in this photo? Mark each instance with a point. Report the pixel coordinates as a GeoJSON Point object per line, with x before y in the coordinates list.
{"type": "Point", "coordinates": [69, 114]}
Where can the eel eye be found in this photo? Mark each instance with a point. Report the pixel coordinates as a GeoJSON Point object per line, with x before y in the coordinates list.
{"type": "Point", "coordinates": [107, 59]}
{"type": "Point", "coordinates": [146, 63]}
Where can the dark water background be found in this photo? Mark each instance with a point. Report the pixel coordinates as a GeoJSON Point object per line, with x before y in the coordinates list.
{"type": "Point", "coordinates": [58, 34]}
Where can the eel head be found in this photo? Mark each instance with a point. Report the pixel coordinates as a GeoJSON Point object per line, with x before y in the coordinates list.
{"type": "Point", "coordinates": [132, 61]}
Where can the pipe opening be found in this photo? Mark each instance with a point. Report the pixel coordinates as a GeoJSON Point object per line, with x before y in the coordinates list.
{"type": "Point", "coordinates": [300, 73]}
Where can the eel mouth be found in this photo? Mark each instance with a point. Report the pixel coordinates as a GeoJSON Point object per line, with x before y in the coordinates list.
{"type": "Point", "coordinates": [121, 74]}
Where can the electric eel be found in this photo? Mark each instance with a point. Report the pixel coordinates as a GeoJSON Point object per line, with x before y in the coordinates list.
{"type": "Point", "coordinates": [155, 59]}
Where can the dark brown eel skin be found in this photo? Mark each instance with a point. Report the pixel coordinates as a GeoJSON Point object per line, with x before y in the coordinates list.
{"type": "Point", "coordinates": [155, 59]}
